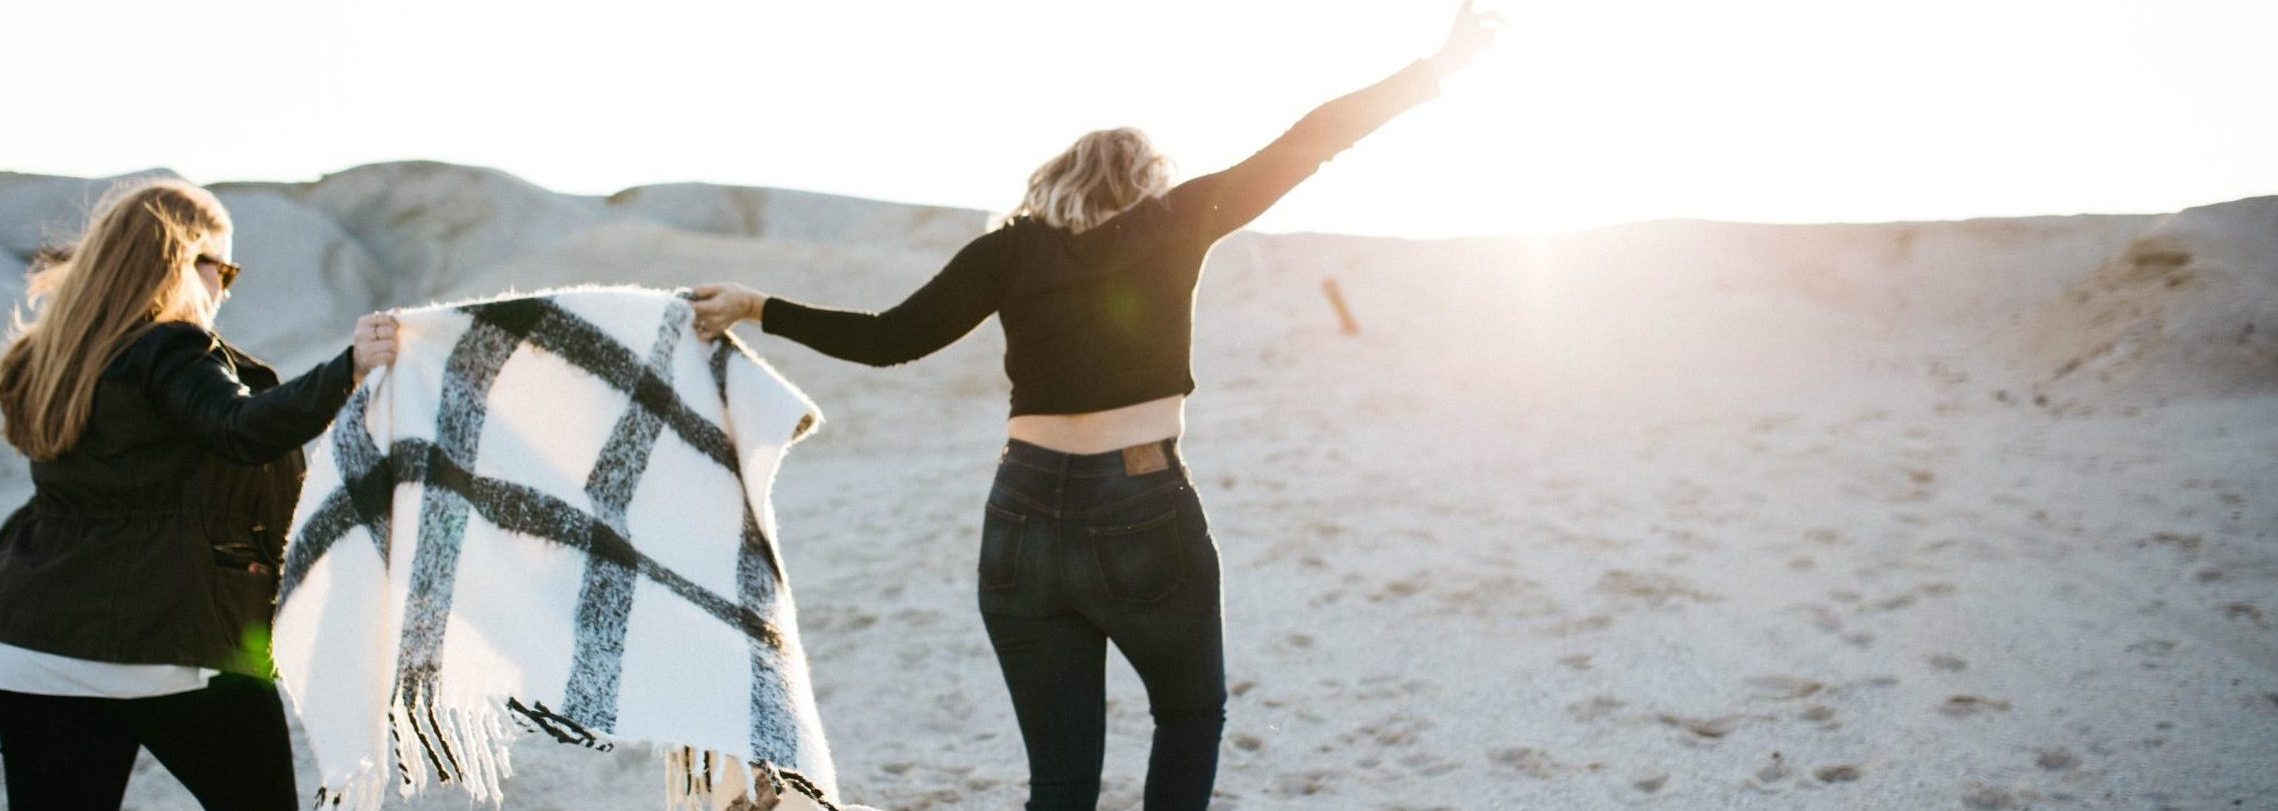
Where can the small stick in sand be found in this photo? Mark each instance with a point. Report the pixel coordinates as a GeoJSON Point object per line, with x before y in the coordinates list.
{"type": "Point", "coordinates": [1337, 300]}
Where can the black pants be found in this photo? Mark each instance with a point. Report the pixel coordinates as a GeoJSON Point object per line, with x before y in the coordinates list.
{"type": "Point", "coordinates": [1081, 550]}
{"type": "Point", "coordinates": [227, 744]}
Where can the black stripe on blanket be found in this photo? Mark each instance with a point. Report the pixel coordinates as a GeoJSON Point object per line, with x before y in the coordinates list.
{"type": "Point", "coordinates": [528, 511]}
{"type": "Point", "coordinates": [586, 346]}
{"type": "Point", "coordinates": [361, 501]}
{"type": "Point", "coordinates": [774, 738]}
{"type": "Point", "coordinates": [454, 494]}
{"type": "Point", "coordinates": [605, 599]}
{"type": "Point", "coordinates": [468, 373]}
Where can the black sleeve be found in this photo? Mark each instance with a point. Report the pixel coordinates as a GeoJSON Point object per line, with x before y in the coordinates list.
{"type": "Point", "coordinates": [1216, 204]}
{"type": "Point", "coordinates": [958, 299]}
{"type": "Point", "coordinates": [192, 385]}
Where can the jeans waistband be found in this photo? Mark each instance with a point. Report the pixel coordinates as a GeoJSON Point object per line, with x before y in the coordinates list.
{"type": "Point", "coordinates": [1136, 460]}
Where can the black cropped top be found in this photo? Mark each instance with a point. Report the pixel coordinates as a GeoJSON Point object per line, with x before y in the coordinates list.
{"type": "Point", "coordinates": [1104, 318]}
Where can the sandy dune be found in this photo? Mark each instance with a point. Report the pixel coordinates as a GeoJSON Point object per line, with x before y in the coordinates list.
{"type": "Point", "coordinates": [1975, 515]}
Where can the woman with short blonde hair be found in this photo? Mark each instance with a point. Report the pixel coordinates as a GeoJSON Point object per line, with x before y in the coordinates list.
{"type": "Point", "coordinates": [1093, 532]}
{"type": "Point", "coordinates": [136, 586]}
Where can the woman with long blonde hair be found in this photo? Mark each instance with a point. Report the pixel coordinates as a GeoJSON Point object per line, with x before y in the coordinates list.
{"type": "Point", "coordinates": [136, 586]}
{"type": "Point", "coordinates": [1092, 532]}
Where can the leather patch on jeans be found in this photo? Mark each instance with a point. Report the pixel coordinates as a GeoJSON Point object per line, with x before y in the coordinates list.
{"type": "Point", "coordinates": [1140, 460]}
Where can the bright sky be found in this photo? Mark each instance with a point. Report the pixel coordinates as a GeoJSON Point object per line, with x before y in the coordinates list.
{"type": "Point", "coordinates": [1588, 113]}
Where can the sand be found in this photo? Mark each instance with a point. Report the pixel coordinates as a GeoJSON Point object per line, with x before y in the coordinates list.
{"type": "Point", "coordinates": [1974, 515]}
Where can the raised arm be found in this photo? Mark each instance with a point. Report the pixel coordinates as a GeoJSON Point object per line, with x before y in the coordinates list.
{"type": "Point", "coordinates": [955, 301]}
{"type": "Point", "coordinates": [193, 386]}
{"type": "Point", "coordinates": [1219, 203]}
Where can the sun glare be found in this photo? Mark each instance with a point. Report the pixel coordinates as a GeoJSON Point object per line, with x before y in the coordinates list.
{"type": "Point", "coordinates": [1592, 114]}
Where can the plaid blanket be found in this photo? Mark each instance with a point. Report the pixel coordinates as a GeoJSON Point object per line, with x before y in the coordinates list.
{"type": "Point", "coordinates": [551, 515]}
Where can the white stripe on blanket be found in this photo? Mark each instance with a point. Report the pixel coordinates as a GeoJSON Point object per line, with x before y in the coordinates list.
{"type": "Point", "coordinates": [551, 515]}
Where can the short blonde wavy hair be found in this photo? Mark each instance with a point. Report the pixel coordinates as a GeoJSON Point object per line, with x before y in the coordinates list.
{"type": "Point", "coordinates": [1098, 177]}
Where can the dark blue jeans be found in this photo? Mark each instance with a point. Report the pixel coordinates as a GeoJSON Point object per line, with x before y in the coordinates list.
{"type": "Point", "coordinates": [1081, 550]}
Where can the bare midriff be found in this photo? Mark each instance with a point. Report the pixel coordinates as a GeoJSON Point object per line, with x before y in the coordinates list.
{"type": "Point", "coordinates": [1103, 431]}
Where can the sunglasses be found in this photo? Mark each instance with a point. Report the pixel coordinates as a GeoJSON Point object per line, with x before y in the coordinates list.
{"type": "Point", "coordinates": [228, 272]}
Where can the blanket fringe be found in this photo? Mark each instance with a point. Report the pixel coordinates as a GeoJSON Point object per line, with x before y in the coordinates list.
{"type": "Point", "coordinates": [473, 748]}
{"type": "Point", "coordinates": [700, 780]}
{"type": "Point", "coordinates": [470, 747]}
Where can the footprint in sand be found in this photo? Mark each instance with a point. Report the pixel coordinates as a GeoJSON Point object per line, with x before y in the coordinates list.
{"type": "Point", "coordinates": [1845, 773]}
{"type": "Point", "coordinates": [1964, 706]}
{"type": "Point", "coordinates": [1944, 662]}
{"type": "Point", "coordinates": [1824, 536]}
{"type": "Point", "coordinates": [1781, 688]}
{"type": "Point", "coordinates": [852, 621]}
{"type": "Point", "coordinates": [2245, 611]}
{"type": "Point", "coordinates": [1824, 618]}
{"type": "Point", "coordinates": [1650, 783]}
{"type": "Point", "coordinates": [1772, 422]}
{"type": "Point", "coordinates": [1921, 485]}
{"type": "Point", "coordinates": [2152, 650]}
{"type": "Point", "coordinates": [2153, 647]}
{"type": "Point", "coordinates": [2056, 760]}
{"type": "Point", "coordinates": [1652, 589]}
{"type": "Point", "coordinates": [1305, 784]}
{"type": "Point", "coordinates": [1568, 628]}
{"type": "Point", "coordinates": [1392, 686]}
{"type": "Point", "coordinates": [1989, 798]}
{"type": "Point", "coordinates": [1819, 714]}
{"type": "Point", "coordinates": [1430, 765]}
{"type": "Point", "coordinates": [1595, 709]}
{"type": "Point", "coordinates": [1398, 730]}
{"type": "Point", "coordinates": [1705, 728]}
{"type": "Point", "coordinates": [1528, 761]}
{"type": "Point", "coordinates": [1401, 589]}
{"type": "Point", "coordinates": [2185, 545]}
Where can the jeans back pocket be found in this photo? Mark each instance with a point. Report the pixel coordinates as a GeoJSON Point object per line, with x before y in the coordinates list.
{"type": "Point", "coordinates": [1142, 562]}
{"type": "Point", "coordinates": [1001, 531]}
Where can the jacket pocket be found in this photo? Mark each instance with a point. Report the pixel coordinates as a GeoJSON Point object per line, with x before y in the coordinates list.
{"type": "Point", "coordinates": [1001, 532]}
{"type": "Point", "coordinates": [245, 602]}
{"type": "Point", "coordinates": [1142, 562]}
{"type": "Point", "coordinates": [244, 556]}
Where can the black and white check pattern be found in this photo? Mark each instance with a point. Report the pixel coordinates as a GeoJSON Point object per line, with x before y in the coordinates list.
{"type": "Point", "coordinates": [416, 461]}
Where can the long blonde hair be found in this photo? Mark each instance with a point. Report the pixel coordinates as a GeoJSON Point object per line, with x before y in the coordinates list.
{"type": "Point", "coordinates": [1098, 177]}
{"type": "Point", "coordinates": [135, 266]}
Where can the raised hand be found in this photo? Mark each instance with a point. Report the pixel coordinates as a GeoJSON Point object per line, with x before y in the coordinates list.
{"type": "Point", "coordinates": [1472, 32]}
